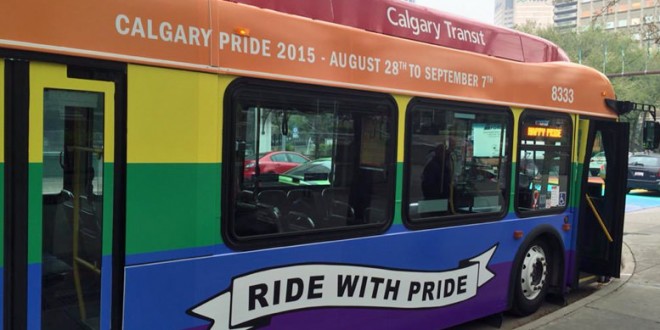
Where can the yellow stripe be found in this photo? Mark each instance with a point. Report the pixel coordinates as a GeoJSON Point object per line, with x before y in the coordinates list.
{"type": "Point", "coordinates": [516, 124]}
{"type": "Point", "coordinates": [223, 83]}
{"type": "Point", "coordinates": [174, 116]}
{"type": "Point", "coordinates": [2, 110]}
{"type": "Point", "coordinates": [49, 75]}
{"type": "Point", "coordinates": [574, 141]}
{"type": "Point", "coordinates": [583, 134]}
{"type": "Point", "coordinates": [402, 103]}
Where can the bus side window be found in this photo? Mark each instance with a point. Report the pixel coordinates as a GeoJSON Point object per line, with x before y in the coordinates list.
{"type": "Point", "coordinates": [458, 161]}
{"type": "Point", "coordinates": [543, 162]}
{"type": "Point", "coordinates": [308, 160]}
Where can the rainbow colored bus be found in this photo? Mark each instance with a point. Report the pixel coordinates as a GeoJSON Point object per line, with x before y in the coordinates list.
{"type": "Point", "coordinates": [424, 170]}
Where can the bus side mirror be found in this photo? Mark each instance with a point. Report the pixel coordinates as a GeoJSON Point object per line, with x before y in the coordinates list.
{"type": "Point", "coordinates": [651, 135]}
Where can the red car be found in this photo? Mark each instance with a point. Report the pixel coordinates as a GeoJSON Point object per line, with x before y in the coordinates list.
{"type": "Point", "coordinates": [273, 162]}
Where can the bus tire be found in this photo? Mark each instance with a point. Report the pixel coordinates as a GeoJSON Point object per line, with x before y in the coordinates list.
{"type": "Point", "coordinates": [533, 274]}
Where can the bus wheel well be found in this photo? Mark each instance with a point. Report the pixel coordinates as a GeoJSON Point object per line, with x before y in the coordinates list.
{"type": "Point", "coordinates": [549, 237]}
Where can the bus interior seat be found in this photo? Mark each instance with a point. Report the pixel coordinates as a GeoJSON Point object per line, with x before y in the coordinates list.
{"type": "Point", "coordinates": [90, 230]}
{"type": "Point", "coordinates": [374, 215]}
{"type": "Point", "coordinates": [57, 261]}
{"type": "Point", "coordinates": [289, 211]}
{"type": "Point", "coordinates": [273, 198]}
{"type": "Point", "coordinates": [296, 221]}
{"type": "Point", "coordinates": [63, 226]}
{"type": "Point", "coordinates": [338, 211]}
{"type": "Point", "coordinates": [246, 196]}
{"type": "Point", "coordinates": [55, 269]}
{"type": "Point", "coordinates": [305, 209]}
{"type": "Point", "coordinates": [276, 202]}
{"type": "Point", "coordinates": [303, 201]}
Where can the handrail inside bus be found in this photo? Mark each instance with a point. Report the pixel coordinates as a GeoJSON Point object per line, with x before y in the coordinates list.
{"type": "Point", "coordinates": [600, 220]}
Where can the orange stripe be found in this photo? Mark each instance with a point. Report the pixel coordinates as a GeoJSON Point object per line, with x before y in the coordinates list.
{"type": "Point", "coordinates": [193, 34]}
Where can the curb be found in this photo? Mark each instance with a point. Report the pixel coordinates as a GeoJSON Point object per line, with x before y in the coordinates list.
{"type": "Point", "coordinates": [628, 269]}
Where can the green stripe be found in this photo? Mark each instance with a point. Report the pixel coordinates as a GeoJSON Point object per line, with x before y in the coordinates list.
{"type": "Point", "coordinates": [172, 206]}
{"type": "Point", "coordinates": [399, 194]}
{"type": "Point", "coordinates": [577, 187]}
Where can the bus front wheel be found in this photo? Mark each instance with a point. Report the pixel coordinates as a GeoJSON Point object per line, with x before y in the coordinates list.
{"type": "Point", "coordinates": [533, 274]}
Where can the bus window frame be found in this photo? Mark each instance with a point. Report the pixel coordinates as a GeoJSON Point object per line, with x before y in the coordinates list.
{"type": "Point", "coordinates": [229, 131]}
{"type": "Point", "coordinates": [569, 150]}
{"type": "Point", "coordinates": [460, 218]}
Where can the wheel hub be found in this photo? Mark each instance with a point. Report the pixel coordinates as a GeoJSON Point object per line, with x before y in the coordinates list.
{"type": "Point", "coordinates": [534, 272]}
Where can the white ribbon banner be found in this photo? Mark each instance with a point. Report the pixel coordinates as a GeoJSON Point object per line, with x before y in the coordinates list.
{"type": "Point", "coordinates": [273, 291]}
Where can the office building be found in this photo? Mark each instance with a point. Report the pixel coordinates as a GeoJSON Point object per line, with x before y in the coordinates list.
{"type": "Point", "coordinates": [511, 13]}
{"type": "Point", "coordinates": [641, 18]}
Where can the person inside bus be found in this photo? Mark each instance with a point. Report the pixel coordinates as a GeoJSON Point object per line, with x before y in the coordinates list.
{"type": "Point", "coordinates": [437, 174]}
{"type": "Point", "coordinates": [528, 174]}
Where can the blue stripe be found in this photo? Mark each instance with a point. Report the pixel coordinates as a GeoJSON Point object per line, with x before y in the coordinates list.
{"type": "Point", "coordinates": [144, 258]}
{"type": "Point", "coordinates": [188, 253]}
{"type": "Point", "coordinates": [106, 292]}
{"type": "Point", "coordinates": [2, 295]}
{"type": "Point", "coordinates": [34, 296]}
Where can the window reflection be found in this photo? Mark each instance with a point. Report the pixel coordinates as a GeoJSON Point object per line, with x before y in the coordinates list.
{"type": "Point", "coordinates": [307, 160]}
{"type": "Point", "coordinates": [543, 162]}
{"type": "Point", "coordinates": [72, 195]}
{"type": "Point", "coordinates": [458, 160]}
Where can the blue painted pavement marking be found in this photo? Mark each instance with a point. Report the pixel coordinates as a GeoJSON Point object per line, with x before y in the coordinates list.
{"type": "Point", "coordinates": [641, 199]}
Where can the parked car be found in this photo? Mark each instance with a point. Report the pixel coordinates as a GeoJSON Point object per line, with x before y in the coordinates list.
{"type": "Point", "coordinates": [273, 162]}
{"type": "Point", "coordinates": [597, 164]}
{"type": "Point", "coordinates": [644, 172]}
{"type": "Point", "coordinates": [314, 172]}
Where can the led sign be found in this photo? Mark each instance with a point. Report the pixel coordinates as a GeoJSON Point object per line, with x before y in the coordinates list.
{"type": "Point", "coordinates": [537, 131]}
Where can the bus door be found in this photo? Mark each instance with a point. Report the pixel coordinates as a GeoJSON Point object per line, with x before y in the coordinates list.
{"type": "Point", "coordinates": [2, 190]}
{"type": "Point", "coordinates": [603, 198]}
{"type": "Point", "coordinates": [59, 197]}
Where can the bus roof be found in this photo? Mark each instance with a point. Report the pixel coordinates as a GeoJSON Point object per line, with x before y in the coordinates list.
{"type": "Point", "coordinates": [225, 37]}
{"type": "Point", "coordinates": [405, 20]}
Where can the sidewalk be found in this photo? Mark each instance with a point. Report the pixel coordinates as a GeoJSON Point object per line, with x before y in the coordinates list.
{"type": "Point", "coordinates": [631, 302]}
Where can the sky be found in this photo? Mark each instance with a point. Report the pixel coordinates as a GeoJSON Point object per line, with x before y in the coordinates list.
{"type": "Point", "coordinates": [480, 10]}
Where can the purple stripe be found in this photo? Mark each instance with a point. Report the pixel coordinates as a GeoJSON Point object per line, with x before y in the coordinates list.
{"type": "Point", "coordinates": [491, 298]}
